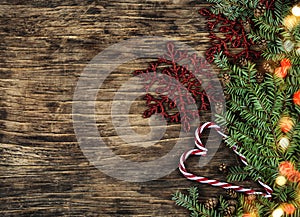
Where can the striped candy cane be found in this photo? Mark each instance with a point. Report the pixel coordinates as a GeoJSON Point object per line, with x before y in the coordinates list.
{"type": "Point", "coordinates": [202, 151]}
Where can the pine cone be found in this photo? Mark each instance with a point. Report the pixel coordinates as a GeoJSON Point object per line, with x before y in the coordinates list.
{"type": "Point", "coordinates": [246, 25]}
{"type": "Point", "coordinates": [211, 203]}
{"type": "Point", "coordinates": [267, 67]}
{"type": "Point", "coordinates": [225, 131]}
{"type": "Point", "coordinates": [259, 10]}
{"type": "Point", "coordinates": [251, 197]}
{"type": "Point", "coordinates": [232, 203]}
{"type": "Point", "coordinates": [242, 61]}
{"type": "Point", "coordinates": [219, 107]}
{"type": "Point", "coordinates": [229, 211]}
{"type": "Point", "coordinates": [227, 96]}
{"type": "Point", "coordinates": [225, 79]}
{"type": "Point", "coordinates": [260, 77]}
{"type": "Point", "coordinates": [231, 193]}
{"type": "Point", "coordinates": [260, 45]}
{"type": "Point", "coordinates": [223, 167]}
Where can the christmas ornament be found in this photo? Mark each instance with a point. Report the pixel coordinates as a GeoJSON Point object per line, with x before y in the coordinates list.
{"type": "Point", "coordinates": [288, 208]}
{"type": "Point", "coordinates": [288, 45]}
{"type": "Point", "coordinates": [290, 22]}
{"type": "Point", "coordinates": [296, 10]}
{"type": "Point", "coordinates": [259, 10]}
{"type": "Point", "coordinates": [285, 63]}
{"type": "Point", "coordinates": [278, 212]}
{"type": "Point", "coordinates": [284, 143]}
{"type": "Point", "coordinates": [252, 214]}
{"type": "Point", "coordinates": [294, 176]}
{"type": "Point", "coordinates": [281, 72]}
{"type": "Point", "coordinates": [296, 98]}
{"type": "Point", "coordinates": [280, 180]}
{"type": "Point", "coordinates": [211, 203]}
{"type": "Point", "coordinates": [286, 167]}
{"type": "Point", "coordinates": [286, 124]}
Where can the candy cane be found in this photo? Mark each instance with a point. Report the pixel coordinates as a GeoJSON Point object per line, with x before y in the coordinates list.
{"type": "Point", "coordinates": [202, 151]}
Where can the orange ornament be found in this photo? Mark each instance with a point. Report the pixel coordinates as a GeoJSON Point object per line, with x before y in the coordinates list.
{"type": "Point", "coordinates": [286, 167]}
{"type": "Point", "coordinates": [285, 63]}
{"type": "Point", "coordinates": [252, 214]}
{"type": "Point", "coordinates": [296, 98]}
{"type": "Point", "coordinates": [281, 72]}
{"type": "Point", "coordinates": [293, 176]}
{"type": "Point", "coordinates": [286, 124]}
{"type": "Point", "coordinates": [289, 208]}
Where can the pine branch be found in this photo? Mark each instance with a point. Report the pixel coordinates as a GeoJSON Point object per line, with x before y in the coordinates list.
{"type": "Point", "coordinates": [237, 173]}
{"type": "Point", "coordinates": [234, 9]}
{"type": "Point", "coordinates": [190, 202]}
{"type": "Point", "coordinates": [255, 109]}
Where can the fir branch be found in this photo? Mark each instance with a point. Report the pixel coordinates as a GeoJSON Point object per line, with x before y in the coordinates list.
{"type": "Point", "coordinates": [190, 202]}
{"type": "Point", "coordinates": [237, 173]}
{"type": "Point", "coordinates": [234, 9]}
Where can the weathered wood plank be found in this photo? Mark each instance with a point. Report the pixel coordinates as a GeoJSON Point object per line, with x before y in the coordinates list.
{"type": "Point", "coordinates": [45, 45]}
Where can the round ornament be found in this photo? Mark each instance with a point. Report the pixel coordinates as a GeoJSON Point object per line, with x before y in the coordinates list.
{"type": "Point", "coordinates": [278, 212]}
{"type": "Point", "coordinates": [284, 143]}
{"type": "Point", "coordinates": [288, 45]}
{"type": "Point", "coordinates": [296, 11]}
{"type": "Point", "coordinates": [280, 180]}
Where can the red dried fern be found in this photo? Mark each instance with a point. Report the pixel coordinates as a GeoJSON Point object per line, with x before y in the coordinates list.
{"type": "Point", "coordinates": [170, 100]}
{"type": "Point", "coordinates": [233, 36]}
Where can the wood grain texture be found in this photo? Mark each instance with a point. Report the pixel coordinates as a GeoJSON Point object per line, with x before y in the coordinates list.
{"type": "Point", "coordinates": [45, 46]}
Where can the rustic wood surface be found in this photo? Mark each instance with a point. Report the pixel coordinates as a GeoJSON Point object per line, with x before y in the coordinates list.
{"type": "Point", "coordinates": [45, 46]}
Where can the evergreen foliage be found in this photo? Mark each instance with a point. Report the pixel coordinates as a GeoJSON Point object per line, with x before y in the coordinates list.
{"type": "Point", "coordinates": [255, 110]}
{"type": "Point", "coordinates": [191, 202]}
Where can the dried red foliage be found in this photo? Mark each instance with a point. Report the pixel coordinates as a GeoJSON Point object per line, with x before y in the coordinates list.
{"type": "Point", "coordinates": [170, 100]}
{"type": "Point", "coordinates": [269, 3]}
{"type": "Point", "coordinates": [233, 36]}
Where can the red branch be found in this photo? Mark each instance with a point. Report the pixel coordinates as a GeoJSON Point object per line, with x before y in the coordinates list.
{"type": "Point", "coordinates": [234, 36]}
{"type": "Point", "coordinates": [171, 100]}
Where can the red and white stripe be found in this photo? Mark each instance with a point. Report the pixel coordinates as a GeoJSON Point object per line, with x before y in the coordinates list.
{"type": "Point", "coordinates": [202, 151]}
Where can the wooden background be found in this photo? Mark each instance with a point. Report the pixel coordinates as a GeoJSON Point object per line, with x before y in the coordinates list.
{"type": "Point", "coordinates": [45, 46]}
